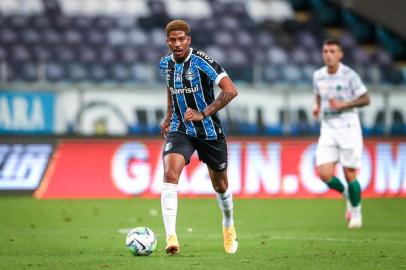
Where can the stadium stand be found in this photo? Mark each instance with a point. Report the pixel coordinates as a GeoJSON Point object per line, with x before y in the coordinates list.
{"type": "Point", "coordinates": [111, 40]}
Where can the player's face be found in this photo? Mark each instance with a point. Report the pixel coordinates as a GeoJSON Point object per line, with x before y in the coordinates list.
{"type": "Point", "coordinates": [178, 42]}
{"type": "Point", "coordinates": [332, 55]}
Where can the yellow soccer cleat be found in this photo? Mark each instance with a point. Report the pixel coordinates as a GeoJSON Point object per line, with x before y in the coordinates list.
{"type": "Point", "coordinates": [230, 240]}
{"type": "Point", "coordinates": [172, 244]}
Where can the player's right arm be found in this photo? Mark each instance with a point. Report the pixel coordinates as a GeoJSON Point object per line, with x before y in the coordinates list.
{"type": "Point", "coordinates": [317, 98]}
{"type": "Point", "coordinates": [316, 106]}
{"type": "Point", "coordinates": [167, 119]}
{"type": "Point", "coordinates": [228, 92]}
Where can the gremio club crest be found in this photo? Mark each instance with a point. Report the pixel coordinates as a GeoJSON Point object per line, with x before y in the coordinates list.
{"type": "Point", "coordinates": [189, 75]}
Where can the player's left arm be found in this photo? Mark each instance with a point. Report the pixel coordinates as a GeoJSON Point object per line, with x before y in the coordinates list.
{"type": "Point", "coordinates": [165, 123]}
{"type": "Point", "coordinates": [228, 92]}
{"type": "Point", "coordinates": [360, 101]}
{"type": "Point", "coordinates": [359, 91]}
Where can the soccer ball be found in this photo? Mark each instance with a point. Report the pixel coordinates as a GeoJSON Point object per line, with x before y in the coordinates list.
{"type": "Point", "coordinates": [141, 241]}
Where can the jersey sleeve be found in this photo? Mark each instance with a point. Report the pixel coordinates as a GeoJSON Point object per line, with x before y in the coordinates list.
{"type": "Point", "coordinates": [163, 65]}
{"type": "Point", "coordinates": [356, 85]}
{"type": "Point", "coordinates": [210, 67]}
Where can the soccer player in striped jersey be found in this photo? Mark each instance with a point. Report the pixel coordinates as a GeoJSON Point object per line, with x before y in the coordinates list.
{"type": "Point", "coordinates": [339, 91]}
{"type": "Point", "coordinates": [192, 123]}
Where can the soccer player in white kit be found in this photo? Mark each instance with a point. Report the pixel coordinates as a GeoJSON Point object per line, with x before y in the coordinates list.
{"type": "Point", "coordinates": [338, 92]}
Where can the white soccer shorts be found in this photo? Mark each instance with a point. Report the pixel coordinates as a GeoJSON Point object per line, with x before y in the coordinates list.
{"type": "Point", "coordinates": [344, 146]}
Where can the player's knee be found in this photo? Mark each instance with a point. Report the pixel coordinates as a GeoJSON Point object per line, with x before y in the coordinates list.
{"type": "Point", "coordinates": [350, 175]}
{"type": "Point", "coordinates": [325, 174]}
{"type": "Point", "coordinates": [221, 187]}
{"type": "Point", "coordinates": [171, 176]}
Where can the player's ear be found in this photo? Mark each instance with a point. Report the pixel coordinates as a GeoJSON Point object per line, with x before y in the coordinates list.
{"type": "Point", "coordinates": [340, 52]}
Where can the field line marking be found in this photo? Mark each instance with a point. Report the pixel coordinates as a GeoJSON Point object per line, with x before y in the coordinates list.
{"type": "Point", "coordinates": [287, 238]}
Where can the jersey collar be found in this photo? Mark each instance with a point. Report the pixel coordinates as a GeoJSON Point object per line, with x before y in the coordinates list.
{"type": "Point", "coordinates": [187, 58]}
{"type": "Point", "coordinates": [338, 72]}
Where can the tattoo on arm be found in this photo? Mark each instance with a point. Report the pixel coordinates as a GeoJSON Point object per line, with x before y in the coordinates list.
{"type": "Point", "coordinates": [222, 100]}
{"type": "Point", "coordinates": [225, 97]}
{"type": "Point", "coordinates": [359, 102]}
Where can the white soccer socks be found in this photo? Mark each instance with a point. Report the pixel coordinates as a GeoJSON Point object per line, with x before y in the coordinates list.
{"type": "Point", "coordinates": [348, 205]}
{"type": "Point", "coordinates": [225, 201]}
{"type": "Point", "coordinates": [169, 204]}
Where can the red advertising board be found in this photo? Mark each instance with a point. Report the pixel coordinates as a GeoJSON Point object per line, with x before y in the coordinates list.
{"type": "Point", "coordinates": [260, 168]}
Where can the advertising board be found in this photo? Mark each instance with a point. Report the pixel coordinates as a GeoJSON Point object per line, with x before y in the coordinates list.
{"type": "Point", "coordinates": [263, 168]}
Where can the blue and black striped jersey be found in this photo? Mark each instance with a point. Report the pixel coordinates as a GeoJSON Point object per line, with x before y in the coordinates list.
{"type": "Point", "coordinates": [191, 85]}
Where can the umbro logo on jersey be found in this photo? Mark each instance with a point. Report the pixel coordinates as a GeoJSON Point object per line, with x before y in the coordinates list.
{"type": "Point", "coordinates": [178, 77]}
{"type": "Point", "coordinates": [222, 165]}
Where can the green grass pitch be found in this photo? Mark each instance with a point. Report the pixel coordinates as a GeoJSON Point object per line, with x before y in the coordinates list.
{"type": "Point", "coordinates": [273, 234]}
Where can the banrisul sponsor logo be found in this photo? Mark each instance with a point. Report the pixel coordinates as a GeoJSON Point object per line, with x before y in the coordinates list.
{"type": "Point", "coordinates": [186, 90]}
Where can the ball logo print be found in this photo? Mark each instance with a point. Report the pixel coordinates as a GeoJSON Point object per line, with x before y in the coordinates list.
{"type": "Point", "coordinates": [141, 241]}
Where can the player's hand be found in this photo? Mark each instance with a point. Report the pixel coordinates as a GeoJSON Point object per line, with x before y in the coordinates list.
{"type": "Point", "coordinates": [316, 110]}
{"type": "Point", "coordinates": [193, 115]}
{"type": "Point", "coordinates": [336, 104]}
{"type": "Point", "coordinates": [164, 126]}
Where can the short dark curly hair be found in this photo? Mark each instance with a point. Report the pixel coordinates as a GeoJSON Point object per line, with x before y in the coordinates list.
{"type": "Point", "coordinates": [177, 25]}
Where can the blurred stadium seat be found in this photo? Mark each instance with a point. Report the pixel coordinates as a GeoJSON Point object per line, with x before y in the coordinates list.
{"type": "Point", "coordinates": [259, 42]}
{"type": "Point", "coordinates": [90, 36]}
